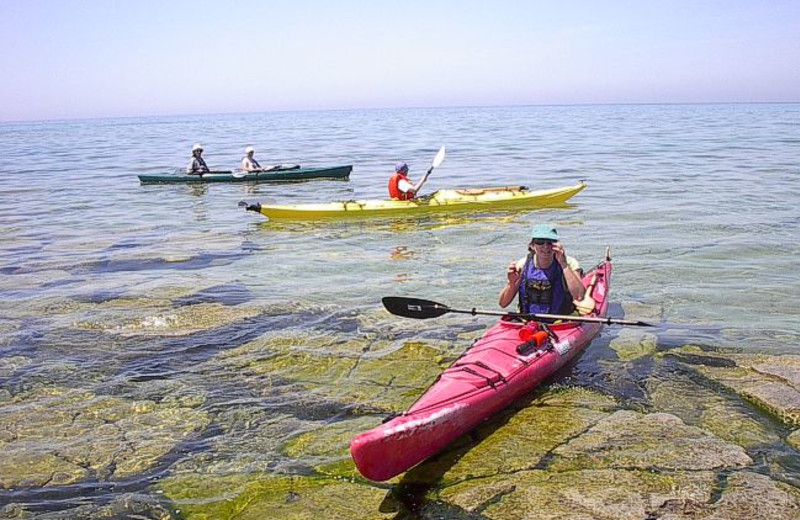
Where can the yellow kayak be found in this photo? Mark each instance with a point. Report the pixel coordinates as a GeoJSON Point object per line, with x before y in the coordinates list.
{"type": "Point", "coordinates": [480, 199]}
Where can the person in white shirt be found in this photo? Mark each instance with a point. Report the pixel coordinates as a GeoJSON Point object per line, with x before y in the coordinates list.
{"type": "Point", "coordinates": [249, 163]}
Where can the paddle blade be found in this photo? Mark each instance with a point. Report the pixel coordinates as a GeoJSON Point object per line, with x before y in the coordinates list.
{"type": "Point", "coordinates": [414, 307]}
{"type": "Point", "coordinates": [439, 158]}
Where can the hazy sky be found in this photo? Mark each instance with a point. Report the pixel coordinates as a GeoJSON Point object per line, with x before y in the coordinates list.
{"type": "Point", "coordinates": [98, 58]}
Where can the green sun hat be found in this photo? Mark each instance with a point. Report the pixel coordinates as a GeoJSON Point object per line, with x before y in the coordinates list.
{"type": "Point", "coordinates": [544, 232]}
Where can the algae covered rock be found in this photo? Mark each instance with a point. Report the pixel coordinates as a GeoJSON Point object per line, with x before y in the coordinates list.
{"type": "Point", "coordinates": [770, 382]}
{"type": "Point", "coordinates": [724, 416]}
{"type": "Point", "coordinates": [260, 496]}
{"type": "Point", "coordinates": [516, 440]}
{"type": "Point", "coordinates": [794, 439]}
{"type": "Point", "coordinates": [387, 377]}
{"type": "Point", "coordinates": [60, 436]}
{"type": "Point", "coordinates": [578, 495]}
{"type": "Point", "coordinates": [327, 447]}
{"type": "Point", "coordinates": [748, 495]}
{"type": "Point", "coordinates": [165, 321]}
{"type": "Point", "coordinates": [631, 344]}
{"type": "Point", "coordinates": [628, 439]}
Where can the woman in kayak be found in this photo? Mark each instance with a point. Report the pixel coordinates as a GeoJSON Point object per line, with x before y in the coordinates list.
{"type": "Point", "coordinates": [400, 188]}
{"type": "Point", "coordinates": [249, 163]}
{"type": "Point", "coordinates": [546, 280]}
{"type": "Point", "coordinates": [197, 166]}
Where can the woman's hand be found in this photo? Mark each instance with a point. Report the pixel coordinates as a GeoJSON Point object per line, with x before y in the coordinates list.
{"type": "Point", "coordinates": [513, 274]}
{"type": "Point", "coordinates": [559, 254]}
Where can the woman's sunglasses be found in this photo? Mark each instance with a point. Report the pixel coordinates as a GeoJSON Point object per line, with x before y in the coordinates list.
{"type": "Point", "coordinates": [542, 242]}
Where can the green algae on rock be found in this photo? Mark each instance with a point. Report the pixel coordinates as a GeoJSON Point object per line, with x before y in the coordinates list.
{"type": "Point", "coordinates": [794, 439]}
{"type": "Point", "coordinates": [700, 406]}
{"type": "Point", "coordinates": [578, 495]}
{"type": "Point", "coordinates": [628, 439]}
{"type": "Point", "coordinates": [625, 494]}
{"type": "Point", "coordinates": [60, 436]}
{"type": "Point", "coordinates": [748, 495]}
{"type": "Point", "coordinates": [771, 382]}
{"type": "Point", "coordinates": [631, 344]}
{"type": "Point", "coordinates": [167, 321]}
{"type": "Point", "coordinates": [259, 496]}
{"type": "Point", "coordinates": [517, 439]}
{"type": "Point", "coordinates": [328, 447]}
{"type": "Point", "coordinates": [389, 381]}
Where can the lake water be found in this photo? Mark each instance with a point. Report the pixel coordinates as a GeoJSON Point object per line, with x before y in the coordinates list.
{"type": "Point", "coordinates": [699, 204]}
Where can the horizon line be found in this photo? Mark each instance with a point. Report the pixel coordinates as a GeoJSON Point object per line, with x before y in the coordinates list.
{"type": "Point", "coordinates": [416, 107]}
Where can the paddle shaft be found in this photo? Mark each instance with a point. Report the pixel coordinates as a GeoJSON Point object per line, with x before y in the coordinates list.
{"type": "Point", "coordinates": [424, 309]}
{"type": "Point", "coordinates": [552, 317]}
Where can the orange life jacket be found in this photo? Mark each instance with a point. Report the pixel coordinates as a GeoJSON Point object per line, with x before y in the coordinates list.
{"type": "Point", "coordinates": [394, 187]}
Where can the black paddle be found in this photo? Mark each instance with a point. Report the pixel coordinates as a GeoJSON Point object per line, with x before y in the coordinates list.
{"type": "Point", "coordinates": [424, 309]}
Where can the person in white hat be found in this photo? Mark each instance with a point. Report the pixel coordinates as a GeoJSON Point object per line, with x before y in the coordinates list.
{"type": "Point", "coordinates": [197, 165]}
{"type": "Point", "coordinates": [249, 163]}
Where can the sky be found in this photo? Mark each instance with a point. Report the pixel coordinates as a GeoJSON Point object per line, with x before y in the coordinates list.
{"type": "Point", "coordinates": [66, 59]}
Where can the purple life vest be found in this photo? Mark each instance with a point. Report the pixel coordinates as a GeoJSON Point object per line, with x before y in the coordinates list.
{"type": "Point", "coordinates": [544, 291]}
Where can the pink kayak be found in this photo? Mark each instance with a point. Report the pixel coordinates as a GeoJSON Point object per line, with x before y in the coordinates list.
{"type": "Point", "coordinates": [501, 366]}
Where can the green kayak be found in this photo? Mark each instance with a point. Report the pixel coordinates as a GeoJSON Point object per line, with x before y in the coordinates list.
{"type": "Point", "coordinates": [290, 174]}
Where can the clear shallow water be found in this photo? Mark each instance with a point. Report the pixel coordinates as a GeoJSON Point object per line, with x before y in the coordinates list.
{"type": "Point", "coordinates": [698, 202]}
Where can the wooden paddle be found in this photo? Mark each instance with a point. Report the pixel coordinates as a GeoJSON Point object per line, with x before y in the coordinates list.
{"type": "Point", "coordinates": [424, 309]}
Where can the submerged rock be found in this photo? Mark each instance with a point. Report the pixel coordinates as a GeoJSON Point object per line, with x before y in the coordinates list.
{"type": "Point", "coordinates": [259, 496]}
{"type": "Point", "coordinates": [747, 495]}
{"type": "Point", "coordinates": [794, 439]}
{"type": "Point", "coordinates": [770, 382]}
{"type": "Point", "coordinates": [357, 373]}
{"type": "Point", "coordinates": [697, 405]}
{"type": "Point", "coordinates": [57, 436]}
{"type": "Point", "coordinates": [579, 495]}
{"type": "Point", "coordinates": [631, 344]}
{"type": "Point", "coordinates": [517, 440]}
{"type": "Point", "coordinates": [627, 465]}
{"type": "Point", "coordinates": [630, 440]}
{"type": "Point", "coordinates": [9, 365]}
{"type": "Point", "coordinates": [328, 447]}
{"type": "Point", "coordinates": [168, 321]}
{"type": "Point", "coordinates": [626, 494]}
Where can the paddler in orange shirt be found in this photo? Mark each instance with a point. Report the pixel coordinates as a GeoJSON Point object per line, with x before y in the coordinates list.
{"type": "Point", "coordinates": [400, 188]}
